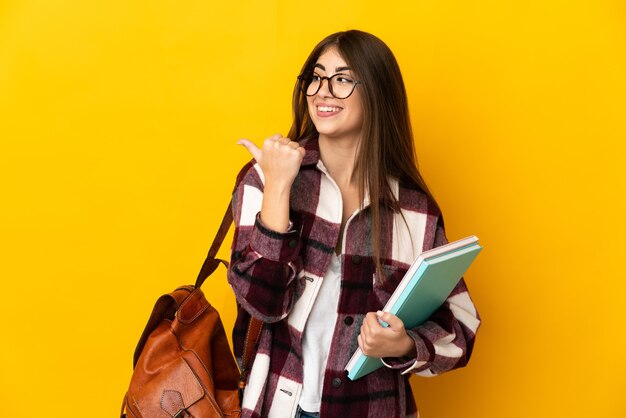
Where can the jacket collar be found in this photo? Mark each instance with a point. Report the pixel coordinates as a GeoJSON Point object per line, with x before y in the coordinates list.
{"type": "Point", "coordinates": [312, 158]}
{"type": "Point", "coordinates": [312, 148]}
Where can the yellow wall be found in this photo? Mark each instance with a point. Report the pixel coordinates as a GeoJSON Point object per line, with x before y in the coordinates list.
{"type": "Point", "coordinates": [118, 122]}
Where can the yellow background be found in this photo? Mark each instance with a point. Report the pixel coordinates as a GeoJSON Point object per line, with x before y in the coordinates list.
{"type": "Point", "coordinates": [118, 123]}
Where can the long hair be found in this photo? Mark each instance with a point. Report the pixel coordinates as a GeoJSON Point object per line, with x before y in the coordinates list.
{"type": "Point", "coordinates": [386, 148]}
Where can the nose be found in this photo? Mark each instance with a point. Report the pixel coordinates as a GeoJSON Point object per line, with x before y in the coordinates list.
{"type": "Point", "coordinates": [324, 90]}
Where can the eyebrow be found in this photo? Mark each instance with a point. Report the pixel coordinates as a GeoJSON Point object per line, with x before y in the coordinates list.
{"type": "Point", "coordinates": [338, 69]}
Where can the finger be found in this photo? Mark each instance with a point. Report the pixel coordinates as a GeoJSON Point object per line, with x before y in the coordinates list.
{"type": "Point", "coordinates": [361, 343]}
{"type": "Point", "coordinates": [394, 322]}
{"type": "Point", "coordinates": [364, 345]}
{"type": "Point", "coordinates": [365, 325]}
{"type": "Point", "coordinates": [374, 320]}
{"type": "Point", "coordinates": [251, 147]}
{"type": "Point", "coordinates": [284, 141]}
{"type": "Point", "coordinates": [293, 145]}
{"type": "Point", "coordinates": [275, 137]}
{"type": "Point", "coordinates": [270, 143]}
{"type": "Point", "coordinates": [369, 328]}
{"type": "Point", "coordinates": [364, 330]}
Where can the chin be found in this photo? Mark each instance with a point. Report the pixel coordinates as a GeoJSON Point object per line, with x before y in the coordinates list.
{"type": "Point", "coordinates": [328, 132]}
{"type": "Point", "coordinates": [326, 128]}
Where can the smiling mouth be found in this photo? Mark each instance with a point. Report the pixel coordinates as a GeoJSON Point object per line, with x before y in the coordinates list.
{"type": "Point", "coordinates": [328, 109]}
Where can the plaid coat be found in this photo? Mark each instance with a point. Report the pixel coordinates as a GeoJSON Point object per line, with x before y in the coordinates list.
{"type": "Point", "coordinates": [276, 277]}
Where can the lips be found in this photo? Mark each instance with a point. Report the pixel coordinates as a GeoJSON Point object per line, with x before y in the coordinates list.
{"type": "Point", "coordinates": [328, 109]}
{"type": "Point", "coordinates": [324, 111]}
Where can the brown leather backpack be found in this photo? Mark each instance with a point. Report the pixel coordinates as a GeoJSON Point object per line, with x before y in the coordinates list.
{"type": "Point", "coordinates": [183, 365]}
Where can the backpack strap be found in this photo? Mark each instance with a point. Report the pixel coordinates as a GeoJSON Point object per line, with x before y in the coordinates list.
{"type": "Point", "coordinates": [253, 334]}
{"type": "Point", "coordinates": [255, 326]}
{"type": "Point", "coordinates": [211, 263]}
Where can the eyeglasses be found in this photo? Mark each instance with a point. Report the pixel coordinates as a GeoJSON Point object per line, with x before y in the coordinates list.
{"type": "Point", "coordinates": [340, 86]}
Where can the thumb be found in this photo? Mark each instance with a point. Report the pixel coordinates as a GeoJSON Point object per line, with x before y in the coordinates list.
{"type": "Point", "coordinates": [251, 147]}
{"type": "Point", "coordinates": [394, 322]}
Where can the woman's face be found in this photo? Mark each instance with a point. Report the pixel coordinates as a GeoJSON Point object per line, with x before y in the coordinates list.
{"type": "Point", "coordinates": [332, 117]}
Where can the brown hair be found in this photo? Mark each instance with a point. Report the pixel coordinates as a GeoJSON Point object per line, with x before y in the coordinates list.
{"type": "Point", "coordinates": [387, 147]}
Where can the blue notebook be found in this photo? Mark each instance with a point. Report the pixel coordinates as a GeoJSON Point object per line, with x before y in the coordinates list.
{"type": "Point", "coordinates": [424, 288]}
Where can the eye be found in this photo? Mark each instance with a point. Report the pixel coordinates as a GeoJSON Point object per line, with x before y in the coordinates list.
{"type": "Point", "coordinates": [315, 78]}
{"type": "Point", "coordinates": [344, 80]}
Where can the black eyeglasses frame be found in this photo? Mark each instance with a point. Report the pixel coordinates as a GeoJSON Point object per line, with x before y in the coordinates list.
{"type": "Point", "coordinates": [304, 78]}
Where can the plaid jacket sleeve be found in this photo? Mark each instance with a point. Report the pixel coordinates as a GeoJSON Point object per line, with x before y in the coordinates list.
{"type": "Point", "coordinates": [446, 340]}
{"type": "Point", "coordinates": [264, 263]}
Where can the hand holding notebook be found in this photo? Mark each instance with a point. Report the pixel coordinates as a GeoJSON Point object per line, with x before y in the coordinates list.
{"type": "Point", "coordinates": [425, 286]}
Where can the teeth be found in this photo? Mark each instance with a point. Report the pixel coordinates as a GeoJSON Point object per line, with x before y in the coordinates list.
{"type": "Point", "coordinates": [328, 109]}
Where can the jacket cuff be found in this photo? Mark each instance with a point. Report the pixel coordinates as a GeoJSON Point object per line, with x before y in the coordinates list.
{"type": "Point", "coordinates": [275, 246]}
{"type": "Point", "coordinates": [411, 364]}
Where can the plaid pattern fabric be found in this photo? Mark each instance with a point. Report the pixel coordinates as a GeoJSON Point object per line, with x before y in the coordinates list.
{"type": "Point", "coordinates": [276, 277]}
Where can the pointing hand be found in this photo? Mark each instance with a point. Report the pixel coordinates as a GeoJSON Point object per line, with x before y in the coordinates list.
{"type": "Point", "coordinates": [279, 159]}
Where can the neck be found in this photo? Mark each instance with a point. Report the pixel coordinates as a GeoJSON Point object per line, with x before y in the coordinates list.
{"type": "Point", "coordinates": [339, 157]}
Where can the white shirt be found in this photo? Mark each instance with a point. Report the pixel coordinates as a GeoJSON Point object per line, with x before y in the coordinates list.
{"type": "Point", "coordinates": [318, 334]}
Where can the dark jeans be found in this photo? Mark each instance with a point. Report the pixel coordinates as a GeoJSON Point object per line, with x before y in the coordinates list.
{"type": "Point", "coordinates": [304, 414]}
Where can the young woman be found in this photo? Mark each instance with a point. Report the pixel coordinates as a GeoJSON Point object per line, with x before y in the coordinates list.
{"type": "Point", "coordinates": [328, 219]}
